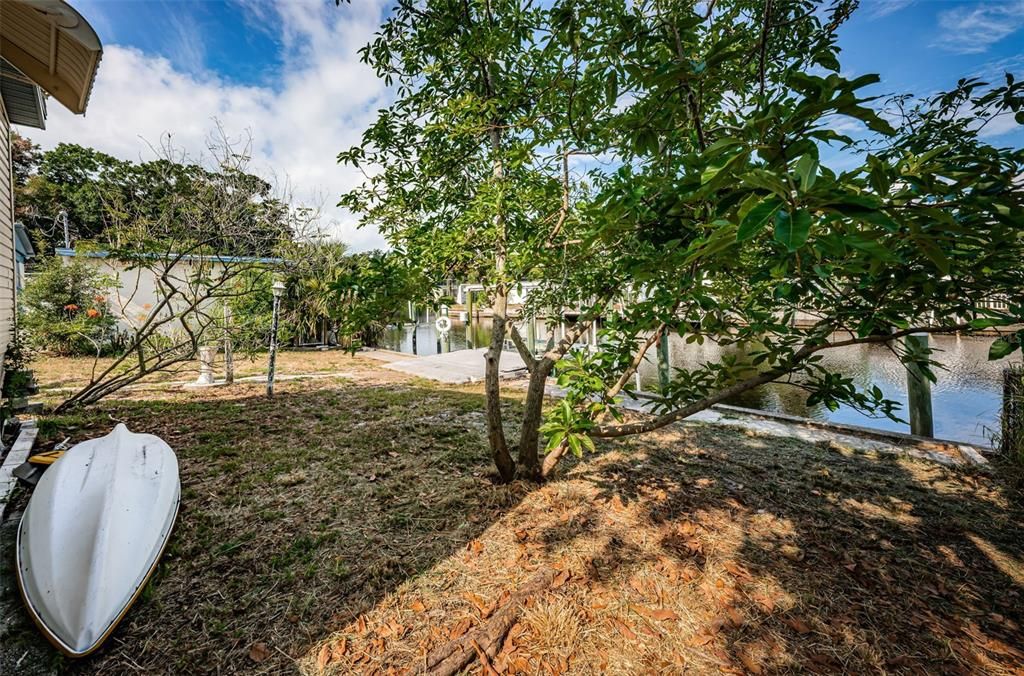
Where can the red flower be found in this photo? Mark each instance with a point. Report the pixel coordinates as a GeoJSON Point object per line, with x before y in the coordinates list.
{"type": "Point", "coordinates": [71, 307]}
{"type": "Point", "coordinates": [99, 299]}
{"type": "Point", "coordinates": [93, 313]}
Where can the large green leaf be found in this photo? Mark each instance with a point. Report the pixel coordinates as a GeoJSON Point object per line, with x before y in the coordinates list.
{"type": "Point", "coordinates": [759, 178]}
{"type": "Point", "coordinates": [611, 88]}
{"type": "Point", "coordinates": [807, 171]}
{"type": "Point", "coordinates": [934, 254]}
{"type": "Point", "coordinates": [792, 229]}
{"type": "Point", "coordinates": [757, 218]}
{"type": "Point", "coordinates": [1002, 348]}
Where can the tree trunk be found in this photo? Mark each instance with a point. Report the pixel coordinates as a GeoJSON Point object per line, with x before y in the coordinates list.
{"type": "Point", "coordinates": [492, 374]}
{"type": "Point", "coordinates": [529, 433]}
{"type": "Point", "coordinates": [492, 388]}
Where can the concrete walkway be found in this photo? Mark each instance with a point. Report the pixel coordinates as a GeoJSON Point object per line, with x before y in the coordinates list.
{"type": "Point", "coordinates": [461, 366]}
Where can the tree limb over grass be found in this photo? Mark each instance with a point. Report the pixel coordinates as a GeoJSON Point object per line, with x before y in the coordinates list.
{"type": "Point", "coordinates": [211, 242]}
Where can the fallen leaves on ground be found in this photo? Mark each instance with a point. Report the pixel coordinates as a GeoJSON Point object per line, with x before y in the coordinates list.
{"type": "Point", "coordinates": [660, 614]}
{"type": "Point", "coordinates": [259, 652]}
{"type": "Point", "coordinates": [624, 629]}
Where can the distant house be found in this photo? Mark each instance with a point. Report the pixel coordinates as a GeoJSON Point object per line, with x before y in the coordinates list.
{"type": "Point", "coordinates": [46, 48]}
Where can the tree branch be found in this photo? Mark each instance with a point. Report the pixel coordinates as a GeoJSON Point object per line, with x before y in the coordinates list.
{"type": "Point", "coordinates": [638, 427]}
{"type": "Point", "coordinates": [524, 351]}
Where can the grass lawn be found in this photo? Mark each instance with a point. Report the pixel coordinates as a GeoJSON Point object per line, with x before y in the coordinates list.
{"type": "Point", "coordinates": [351, 526]}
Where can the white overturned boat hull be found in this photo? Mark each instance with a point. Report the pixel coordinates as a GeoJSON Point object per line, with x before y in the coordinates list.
{"type": "Point", "coordinates": [92, 534]}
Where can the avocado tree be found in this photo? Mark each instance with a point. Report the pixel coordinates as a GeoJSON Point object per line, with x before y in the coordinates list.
{"type": "Point", "coordinates": [461, 179]}
{"type": "Point", "coordinates": [700, 193]}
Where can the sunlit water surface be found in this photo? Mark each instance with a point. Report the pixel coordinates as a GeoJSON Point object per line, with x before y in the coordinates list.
{"type": "Point", "coordinates": [965, 400]}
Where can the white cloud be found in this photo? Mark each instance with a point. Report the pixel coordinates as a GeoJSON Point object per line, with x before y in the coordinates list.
{"type": "Point", "coordinates": [879, 8]}
{"type": "Point", "coordinates": [317, 105]}
{"type": "Point", "coordinates": [1003, 124]}
{"type": "Point", "coordinates": [973, 29]}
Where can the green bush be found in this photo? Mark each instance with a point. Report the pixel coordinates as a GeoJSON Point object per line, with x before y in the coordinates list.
{"type": "Point", "coordinates": [17, 376]}
{"type": "Point", "coordinates": [65, 308]}
{"type": "Point", "coordinates": [252, 313]}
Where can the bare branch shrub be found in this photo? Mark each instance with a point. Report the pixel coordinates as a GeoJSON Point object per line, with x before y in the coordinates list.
{"type": "Point", "coordinates": [217, 236]}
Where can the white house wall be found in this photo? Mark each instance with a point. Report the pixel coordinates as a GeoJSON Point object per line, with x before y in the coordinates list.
{"type": "Point", "coordinates": [7, 301]}
{"type": "Point", "coordinates": [138, 295]}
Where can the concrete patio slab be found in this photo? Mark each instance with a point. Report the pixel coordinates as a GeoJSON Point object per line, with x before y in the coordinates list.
{"type": "Point", "coordinates": [462, 366]}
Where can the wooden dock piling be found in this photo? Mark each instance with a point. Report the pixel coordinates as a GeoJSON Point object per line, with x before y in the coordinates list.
{"type": "Point", "coordinates": [919, 392]}
{"type": "Point", "coordinates": [1011, 432]}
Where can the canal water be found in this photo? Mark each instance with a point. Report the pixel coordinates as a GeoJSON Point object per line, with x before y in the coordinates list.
{"type": "Point", "coordinates": [966, 399]}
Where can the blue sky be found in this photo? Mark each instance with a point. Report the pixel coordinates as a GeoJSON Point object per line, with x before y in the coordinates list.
{"type": "Point", "coordinates": [287, 74]}
{"type": "Point", "coordinates": [925, 46]}
{"type": "Point", "coordinates": [200, 36]}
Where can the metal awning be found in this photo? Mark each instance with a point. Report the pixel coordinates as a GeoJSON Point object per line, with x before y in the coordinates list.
{"type": "Point", "coordinates": [23, 99]}
{"type": "Point", "coordinates": [51, 45]}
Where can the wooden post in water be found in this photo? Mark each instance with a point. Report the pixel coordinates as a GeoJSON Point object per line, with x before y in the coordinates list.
{"type": "Point", "coordinates": [664, 364]}
{"type": "Point", "coordinates": [1011, 432]}
{"type": "Point", "coordinates": [469, 306]}
{"type": "Point", "coordinates": [919, 392]}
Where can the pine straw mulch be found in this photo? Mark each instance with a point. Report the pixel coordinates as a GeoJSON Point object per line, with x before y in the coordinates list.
{"type": "Point", "coordinates": [707, 550]}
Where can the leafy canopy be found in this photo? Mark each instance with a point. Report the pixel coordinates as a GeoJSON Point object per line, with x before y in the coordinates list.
{"type": "Point", "coordinates": [662, 165]}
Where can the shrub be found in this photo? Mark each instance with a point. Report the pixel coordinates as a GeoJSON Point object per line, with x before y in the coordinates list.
{"type": "Point", "coordinates": [252, 314]}
{"type": "Point", "coordinates": [16, 374]}
{"type": "Point", "coordinates": [65, 308]}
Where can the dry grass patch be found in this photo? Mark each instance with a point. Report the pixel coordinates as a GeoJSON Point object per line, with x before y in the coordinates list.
{"type": "Point", "coordinates": [297, 514]}
{"type": "Point", "coordinates": [351, 526]}
{"type": "Point", "coordinates": [59, 375]}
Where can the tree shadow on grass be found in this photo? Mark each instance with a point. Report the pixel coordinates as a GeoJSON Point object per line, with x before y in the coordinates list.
{"type": "Point", "coordinates": [297, 514]}
{"type": "Point", "coordinates": [815, 558]}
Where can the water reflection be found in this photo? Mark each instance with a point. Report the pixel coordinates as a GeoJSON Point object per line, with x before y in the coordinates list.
{"type": "Point", "coordinates": [965, 400]}
{"type": "Point", "coordinates": [424, 339]}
